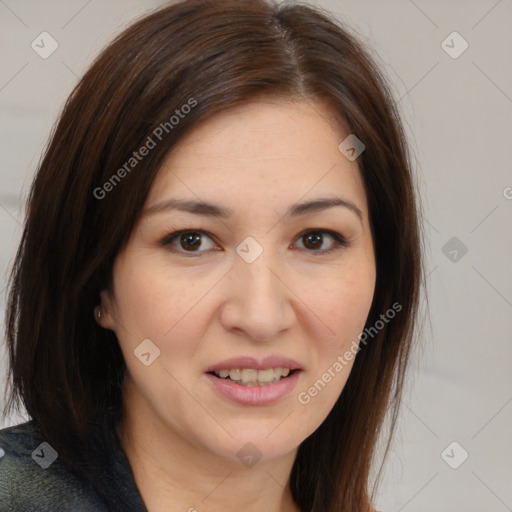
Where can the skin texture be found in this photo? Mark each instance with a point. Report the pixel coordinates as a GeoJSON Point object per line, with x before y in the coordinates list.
{"type": "Point", "coordinates": [180, 435]}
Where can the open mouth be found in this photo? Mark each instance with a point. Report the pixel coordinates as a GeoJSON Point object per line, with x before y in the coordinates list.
{"type": "Point", "coordinates": [251, 377]}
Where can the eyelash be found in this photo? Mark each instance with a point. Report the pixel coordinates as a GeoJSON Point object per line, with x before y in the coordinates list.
{"type": "Point", "coordinates": [339, 241]}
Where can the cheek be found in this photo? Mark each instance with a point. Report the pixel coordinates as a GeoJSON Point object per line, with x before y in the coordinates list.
{"type": "Point", "coordinates": [169, 310]}
{"type": "Point", "coordinates": [343, 305]}
{"type": "Point", "coordinates": [152, 301]}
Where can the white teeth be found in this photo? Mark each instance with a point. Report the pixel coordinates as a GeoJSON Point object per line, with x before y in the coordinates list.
{"type": "Point", "coordinates": [266, 375]}
{"type": "Point", "coordinates": [252, 377]}
{"type": "Point", "coordinates": [249, 375]}
{"type": "Point", "coordinates": [234, 374]}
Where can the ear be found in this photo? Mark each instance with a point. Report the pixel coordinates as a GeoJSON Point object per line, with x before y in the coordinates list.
{"type": "Point", "coordinates": [105, 308]}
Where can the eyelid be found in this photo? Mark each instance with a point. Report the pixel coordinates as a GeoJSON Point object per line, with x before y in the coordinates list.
{"type": "Point", "coordinates": [339, 241]}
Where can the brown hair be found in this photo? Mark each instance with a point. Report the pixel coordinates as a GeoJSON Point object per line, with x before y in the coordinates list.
{"type": "Point", "coordinates": [64, 368]}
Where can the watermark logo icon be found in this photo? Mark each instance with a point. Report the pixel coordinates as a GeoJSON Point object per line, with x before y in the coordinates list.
{"type": "Point", "coordinates": [454, 45]}
{"type": "Point", "coordinates": [454, 249]}
{"type": "Point", "coordinates": [249, 250]}
{"type": "Point", "coordinates": [351, 147]}
{"type": "Point", "coordinates": [454, 455]}
{"type": "Point", "coordinates": [44, 455]}
{"type": "Point", "coordinates": [147, 352]}
{"type": "Point", "coordinates": [44, 45]}
{"type": "Point", "coordinates": [249, 455]}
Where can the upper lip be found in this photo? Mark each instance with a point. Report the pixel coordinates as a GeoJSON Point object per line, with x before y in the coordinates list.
{"type": "Point", "coordinates": [271, 361]}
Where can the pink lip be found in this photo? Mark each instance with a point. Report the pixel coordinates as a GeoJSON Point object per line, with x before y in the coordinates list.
{"type": "Point", "coordinates": [254, 395]}
{"type": "Point", "coordinates": [271, 361]}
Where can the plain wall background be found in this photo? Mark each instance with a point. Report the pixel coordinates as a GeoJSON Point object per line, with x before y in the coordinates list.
{"type": "Point", "coordinates": [458, 112]}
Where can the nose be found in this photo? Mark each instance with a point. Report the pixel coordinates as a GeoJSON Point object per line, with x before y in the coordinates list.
{"type": "Point", "coordinates": [259, 302]}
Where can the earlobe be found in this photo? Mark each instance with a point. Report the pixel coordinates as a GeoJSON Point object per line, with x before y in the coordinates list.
{"type": "Point", "coordinates": [102, 310]}
{"type": "Point", "coordinates": [97, 314]}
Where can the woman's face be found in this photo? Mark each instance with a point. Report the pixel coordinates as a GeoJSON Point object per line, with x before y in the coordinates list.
{"type": "Point", "coordinates": [256, 283]}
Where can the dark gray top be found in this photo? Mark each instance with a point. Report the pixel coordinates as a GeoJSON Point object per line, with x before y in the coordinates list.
{"type": "Point", "coordinates": [33, 479]}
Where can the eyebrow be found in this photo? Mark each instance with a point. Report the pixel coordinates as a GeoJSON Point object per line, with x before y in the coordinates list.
{"type": "Point", "coordinates": [216, 211]}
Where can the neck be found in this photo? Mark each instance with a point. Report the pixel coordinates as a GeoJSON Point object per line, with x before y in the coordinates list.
{"type": "Point", "coordinates": [174, 474]}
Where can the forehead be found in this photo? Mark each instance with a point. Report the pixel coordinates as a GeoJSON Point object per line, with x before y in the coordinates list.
{"type": "Point", "coordinates": [273, 150]}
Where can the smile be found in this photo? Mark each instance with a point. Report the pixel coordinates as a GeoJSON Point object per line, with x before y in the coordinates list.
{"type": "Point", "coordinates": [252, 377]}
{"type": "Point", "coordinates": [251, 391]}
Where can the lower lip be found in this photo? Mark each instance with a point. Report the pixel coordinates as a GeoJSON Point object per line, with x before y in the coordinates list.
{"type": "Point", "coordinates": [254, 395]}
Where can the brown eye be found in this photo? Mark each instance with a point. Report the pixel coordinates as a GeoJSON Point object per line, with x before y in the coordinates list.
{"type": "Point", "coordinates": [186, 241]}
{"type": "Point", "coordinates": [190, 241]}
{"type": "Point", "coordinates": [314, 239]}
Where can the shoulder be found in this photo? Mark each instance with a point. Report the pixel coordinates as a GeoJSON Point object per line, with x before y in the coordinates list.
{"type": "Point", "coordinates": [32, 477]}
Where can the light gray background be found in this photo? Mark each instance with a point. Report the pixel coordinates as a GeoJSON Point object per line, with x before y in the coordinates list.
{"type": "Point", "coordinates": [458, 115]}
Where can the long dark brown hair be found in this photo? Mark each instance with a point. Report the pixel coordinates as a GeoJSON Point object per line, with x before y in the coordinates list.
{"type": "Point", "coordinates": [64, 368]}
